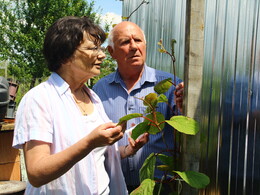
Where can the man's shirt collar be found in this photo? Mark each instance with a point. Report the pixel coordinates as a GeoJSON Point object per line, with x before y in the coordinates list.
{"type": "Point", "coordinates": [147, 76]}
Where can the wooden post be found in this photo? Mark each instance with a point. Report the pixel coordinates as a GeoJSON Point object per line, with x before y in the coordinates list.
{"type": "Point", "coordinates": [194, 59]}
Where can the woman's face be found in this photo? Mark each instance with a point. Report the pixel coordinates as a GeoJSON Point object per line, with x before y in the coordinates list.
{"type": "Point", "coordinates": [88, 58]}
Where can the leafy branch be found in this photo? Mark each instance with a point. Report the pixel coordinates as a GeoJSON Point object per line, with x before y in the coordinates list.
{"type": "Point", "coordinates": [163, 50]}
{"type": "Point", "coordinates": [128, 17]}
{"type": "Point", "coordinates": [154, 123]}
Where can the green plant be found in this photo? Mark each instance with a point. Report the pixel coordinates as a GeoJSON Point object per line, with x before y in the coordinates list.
{"type": "Point", "coordinates": [154, 123]}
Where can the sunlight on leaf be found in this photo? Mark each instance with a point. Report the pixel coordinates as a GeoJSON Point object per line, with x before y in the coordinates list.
{"type": "Point", "coordinates": [184, 124]}
{"type": "Point", "coordinates": [163, 86]}
{"type": "Point", "coordinates": [167, 160]}
{"type": "Point", "coordinates": [164, 168]}
{"type": "Point", "coordinates": [150, 99]}
{"type": "Point", "coordinates": [162, 98]}
{"type": "Point", "coordinates": [146, 188]}
{"type": "Point", "coordinates": [194, 179]}
{"type": "Point", "coordinates": [128, 117]}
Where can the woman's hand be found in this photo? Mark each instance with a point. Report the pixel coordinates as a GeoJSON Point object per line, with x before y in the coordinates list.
{"type": "Point", "coordinates": [106, 134]}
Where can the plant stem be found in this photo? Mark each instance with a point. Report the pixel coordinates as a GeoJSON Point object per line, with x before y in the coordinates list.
{"type": "Point", "coordinates": [147, 119]}
{"type": "Point", "coordinates": [173, 65]}
{"type": "Point", "coordinates": [164, 140]}
{"type": "Point", "coordinates": [144, 1]}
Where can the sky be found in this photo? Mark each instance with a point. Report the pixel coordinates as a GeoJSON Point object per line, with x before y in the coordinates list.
{"type": "Point", "coordinates": [111, 11]}
{"type": "Point", "coordinates": [114, 6]}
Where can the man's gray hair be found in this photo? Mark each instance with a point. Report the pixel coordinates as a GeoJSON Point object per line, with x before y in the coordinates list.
{"type": "Point", "coordinates": [111, 36]}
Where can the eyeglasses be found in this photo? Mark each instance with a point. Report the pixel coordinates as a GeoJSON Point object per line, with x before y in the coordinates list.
{"type": "Point", "coordinates": [94, 50]}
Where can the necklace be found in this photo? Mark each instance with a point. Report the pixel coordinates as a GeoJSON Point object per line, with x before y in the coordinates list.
{"type": "Point", "coordinates": [82, 104]}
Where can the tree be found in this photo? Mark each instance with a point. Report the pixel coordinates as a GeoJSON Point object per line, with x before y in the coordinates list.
{"type": "Point", "coordinates": [23, 24]}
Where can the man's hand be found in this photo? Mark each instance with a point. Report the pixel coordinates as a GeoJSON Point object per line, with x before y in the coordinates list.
{"type": "Point", "coordinates": [134, 145]}
{"type": "Point", "coordinates": [179, 93]}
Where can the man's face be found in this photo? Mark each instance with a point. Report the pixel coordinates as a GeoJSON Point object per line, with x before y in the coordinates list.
{"type": "Point", "coordinates": [129, 46]}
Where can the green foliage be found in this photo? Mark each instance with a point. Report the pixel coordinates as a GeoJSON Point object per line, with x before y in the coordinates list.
{"type": "Point", "coordinates": [139, 130]}
{"type": "Point", "coordinates": [167, 162]}
{"type": "Point", "coordinates": [184, 124]}
{"type": "Point", "coordinates": [23, 88]}
{"type": "Point", "coordinates": [23, 26]}
{"type": "Point", "coordinates": [163, 86]}
{"type": "Point", "coordinates": [162, 98]}
{"type": "Point", "coordinates": [150, 100]}
{"type": "Point", "coordinates": [147, 170]}
{"type": "Point", "coordinates": [145, 188]}
{"type": "Point", "coordinates": [194, 179]}
{"type": "Point", "coordinates": [2, 72]}
{"type": "Point", "coordinates": [128, 117]}
{"type": "Point", "coordinates": [154, 123]}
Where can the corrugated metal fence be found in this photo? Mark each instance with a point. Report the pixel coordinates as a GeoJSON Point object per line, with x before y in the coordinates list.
{"type": "Point", "coordinates": [231, 83]}
{"type": "Point", "coordinates": [231, 95]}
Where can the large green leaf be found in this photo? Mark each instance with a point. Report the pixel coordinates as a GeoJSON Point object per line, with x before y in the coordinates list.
{"type": "Point", "coordinates": [194, 179]}
{"type": "Point", "coordinates": [159, 117]}
{"type": "Point", "coordinates": [147, 169]}
{"type": "Point", "coordinates": [146, 188]}
{"type": "Point", "coordinates": [128, 117]}
{"type": "Point", "coordinates": [150, 99]}
{"type": "Point", "coordinates": [140, 129]}
{"type": "Point", "coordinates": [184, 124]}
{"type": "Point", "coordinates": [163, 86]}
{"type": "Point", "coordinates": [167, 162]}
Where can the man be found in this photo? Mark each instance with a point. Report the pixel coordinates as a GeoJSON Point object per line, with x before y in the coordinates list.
{"type": "Point", "coordinates": [133, 78]}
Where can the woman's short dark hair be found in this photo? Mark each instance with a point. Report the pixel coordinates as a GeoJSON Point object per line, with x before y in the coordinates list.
{"type": "Point", "coordinates": [65, 35]}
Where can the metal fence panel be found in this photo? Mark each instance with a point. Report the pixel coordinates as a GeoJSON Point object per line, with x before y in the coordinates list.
{"type": "Point", "coordinates": [231, 96]}
{"type": "Point", "coordinates": [230, 118]}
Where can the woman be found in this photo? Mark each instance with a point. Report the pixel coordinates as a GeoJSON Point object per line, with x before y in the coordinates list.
{"type": "Point", "coordinates": [61, 124]}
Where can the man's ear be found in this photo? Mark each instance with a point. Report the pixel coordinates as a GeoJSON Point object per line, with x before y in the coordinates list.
{"type": "Point", "coordinates": [111, 51]}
